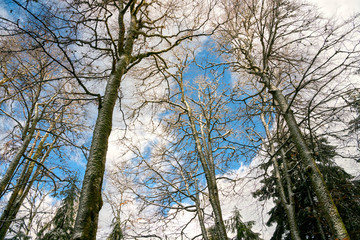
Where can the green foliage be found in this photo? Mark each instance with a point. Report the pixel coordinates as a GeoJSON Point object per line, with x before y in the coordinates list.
{"type": "Point", "coordinates": [212, 233]}
{"type": "Point", "coordinates": [19, 236]}
{"type": "Point", "coordinates": [311, 223]}
{"type": "Point", "coordinates": [62, 225]}
{"type": "Point", "coordinates": [242, 229]}
{"type": "Point", "coordinates": [116, 232]}
{"type": "Point", "coordinates": [235, 224]}
{"type": "Point", "coordinates": [355, 104]}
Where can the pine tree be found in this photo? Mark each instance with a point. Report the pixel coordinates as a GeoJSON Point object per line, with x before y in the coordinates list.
{"type": "Point", "coordinates": [62, 225]}
{"type": "Point", "coordinates": [242, 229]}
{"type": "Point", "coordinates": [116, 232]}
{"type": "Point", "coordinates": [312, 225]}
{"type": "Point", "coordinates": [355, 105]}
{"type": "Point", "coordinates": [236, 225]}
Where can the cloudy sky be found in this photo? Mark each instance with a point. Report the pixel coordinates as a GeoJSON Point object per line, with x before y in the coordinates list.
{"type": "Point", "coordinates": [330, 9]}
{"type": "Point", "coordinates": [344, 8]}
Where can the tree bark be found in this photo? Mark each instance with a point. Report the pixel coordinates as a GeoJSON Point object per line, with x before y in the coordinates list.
{"type": "Point", "coordinates": [90, 196]}
{"type": "Point", "coordinates": [325, 200]}
{"type": "Point", "coordinates": [209, 170]}
{"type": "Point", "coordinates": [200, 214]}
{"type": "Point", "coordinates": [15, 161]}
{"type": "Point", "coordinates": [23, 184]}
{"type": "Point", "coordinates": [290, 206]}
{"type": "Point", "coordinates": [288, 203]}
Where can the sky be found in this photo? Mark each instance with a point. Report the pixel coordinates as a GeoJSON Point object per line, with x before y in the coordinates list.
{"type": "Point", "coordinates": [333, 8]}
{"type": "Point", "coordinates": [341, 10]}
{"type": "Point", "coordinates": [252, 211]}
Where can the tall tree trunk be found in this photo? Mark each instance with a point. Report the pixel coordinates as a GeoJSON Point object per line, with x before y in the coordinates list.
{"type": "Point", "coordinates": [16, 160]}
{"type": "Point", "coordinates": [319, 187]}
{"type": "Point", "coordinates": [215, 204]}
{"type": "Point", "coordinates": [209, 170]}
{"type": "Point", "coordinates": [287, 202]}
{"type": "Point", "coordinates": [90, 196]}
{"type": "Point", "coordinates": [290, 206]}
{"type": "Point", "coordinates": [23, 184]}
{"type": "Point", "coordinates": [200, 214]}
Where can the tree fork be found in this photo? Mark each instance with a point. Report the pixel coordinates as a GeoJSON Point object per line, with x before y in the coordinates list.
{"type": "Point", "coordinates": [90, 197]}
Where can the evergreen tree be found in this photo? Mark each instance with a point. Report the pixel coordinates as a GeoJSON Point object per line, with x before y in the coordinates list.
{"type": "Point", "coordinates": [242, 229]}
{"type": "Point", "coordinates": [62, 225]}
{"type": "Point", "coordinates": [354, 124]}
{"type": "Point", "coordinates": [19, 236]}
{"type": "Point", "coordinates": [355, 105]}
{"type": "Point", "coordinates": [236, 225]}
{"type": "Point", "coordinates": [116, 232]}
{"type": "Point", "coordinates": [312, 225]}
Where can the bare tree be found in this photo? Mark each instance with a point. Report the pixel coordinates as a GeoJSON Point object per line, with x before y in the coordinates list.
{"type": "Point", "coordinates": [196, 144]}
{"type": "Point", "coordinates": [127, 52]}
{"type": "Point", "coordinates": [120, 34]}
{"type": "Point", "coordinates": [263, 39]}
{"type": "Point", "coordinates": [282, 173]}
{"type": "Point", "coordinates": [42, 120]}
{"type": "Point", "coordinates": [35, 210]}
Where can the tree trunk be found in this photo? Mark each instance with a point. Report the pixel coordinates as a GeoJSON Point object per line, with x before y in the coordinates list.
{"type": "Point", "coordinates": [215, 204]}
{"type": "Point", "coordinates": [290, 206]}
{"type": "Point", "coordinates": [319, 187]}
{"type": "Point", "coordinates": [209, 170]}
{"type": "Point", "coordinates": [90, 196]}
{"type": "Point", "coordinates": [288, 203]}
{"type": "Point", "coordinates": [15, 161]}
{"type": "Point", "coordinates": [200, 214]}
{"type": "Point", "coordinates": [23, 184]}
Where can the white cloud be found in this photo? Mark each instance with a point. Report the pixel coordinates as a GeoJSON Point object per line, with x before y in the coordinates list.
{"type": "Point", "coordinates": [335, 8]}
{"type": "Point", "coordinates": [250, 208]}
